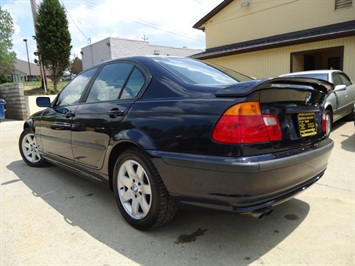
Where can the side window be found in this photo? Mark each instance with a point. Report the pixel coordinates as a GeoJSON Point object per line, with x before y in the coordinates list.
{"type": "Point", "coordinates": [344, 79]}
{"type": "Point", "coordinates": [109, 82]}
{"type": "Point", "coordinates": [134, 84]}
{"type": "Point", "coordinates": [72, 92]}
{"type": "Point", "coordinates": [336, 79]}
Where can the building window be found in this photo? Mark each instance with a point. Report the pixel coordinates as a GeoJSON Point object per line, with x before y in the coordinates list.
{"type": "Point", "coordinates": [339, 4]}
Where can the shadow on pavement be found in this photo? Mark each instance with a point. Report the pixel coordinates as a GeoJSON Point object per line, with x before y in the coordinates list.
{"type": "Point", "coordinates": [193, 237]}
{"type": "Point", "coordinates": [349, 143]}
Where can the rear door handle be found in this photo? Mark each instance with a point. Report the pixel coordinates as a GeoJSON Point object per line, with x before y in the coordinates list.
{"type": "Point", "coordinates": [115, 112]}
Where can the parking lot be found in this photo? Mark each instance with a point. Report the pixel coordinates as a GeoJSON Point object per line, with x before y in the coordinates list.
{"type": "Point", "coordinates": [52, 217]}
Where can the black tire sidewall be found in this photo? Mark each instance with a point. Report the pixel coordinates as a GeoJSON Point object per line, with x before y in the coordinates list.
{"type": "Point", "coordinates": [41, 162]}
{"type": "Point", "coordinates": [329, 114]}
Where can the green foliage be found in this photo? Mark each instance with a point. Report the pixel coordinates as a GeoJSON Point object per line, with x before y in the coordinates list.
{"type": "Point", "coordinates": [7, 57]}
{"type": "Point", "coordinates": [53, 38]}
{"type": "Point", "coordinates": [76, 66]}
{"type": "Point", "coordinates": [3, 79]}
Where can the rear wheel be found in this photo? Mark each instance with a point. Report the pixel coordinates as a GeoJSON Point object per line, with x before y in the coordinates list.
{"type": "Point", "coordinates": [328, 121]}
{"type": "Point", "coordinates": [139, 191]}
{"type": "Point", "coordinates": [29, 149]}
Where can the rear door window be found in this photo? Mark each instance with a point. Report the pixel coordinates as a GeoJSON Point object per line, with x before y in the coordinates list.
{"type": "Point", "coordinates": [116, 81]}
{"type": "Point", "coordinates": [134, 84]}
{"type": "Point", "coordinates": [109, 82]}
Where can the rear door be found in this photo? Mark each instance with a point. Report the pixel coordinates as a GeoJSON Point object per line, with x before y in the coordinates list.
{"type": "Point", "coordinates": [99, 117]}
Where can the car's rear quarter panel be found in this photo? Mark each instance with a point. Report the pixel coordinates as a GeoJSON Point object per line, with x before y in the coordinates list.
{"type": "Point", "coordinates": [181, 125]}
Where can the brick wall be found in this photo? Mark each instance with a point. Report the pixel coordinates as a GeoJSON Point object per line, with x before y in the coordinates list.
{"type": "Point", "coordinates": [15, 101]}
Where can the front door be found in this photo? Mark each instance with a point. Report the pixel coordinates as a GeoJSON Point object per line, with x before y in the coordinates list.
{"type": "Point", "coordinates": [345, 97]}
{"type": "Point", "coordinates": [55, 127]}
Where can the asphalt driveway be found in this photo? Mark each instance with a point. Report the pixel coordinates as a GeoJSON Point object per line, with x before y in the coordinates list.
{"type": "Point", "coordinates": [52, 217]}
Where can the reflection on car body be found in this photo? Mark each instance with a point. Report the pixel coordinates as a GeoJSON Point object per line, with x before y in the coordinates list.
{"type": "Point", "coordinates": [164, 132]}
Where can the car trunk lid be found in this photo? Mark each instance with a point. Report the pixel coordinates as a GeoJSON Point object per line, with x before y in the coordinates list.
{"type": "Point", "coordinates": [293, 106]}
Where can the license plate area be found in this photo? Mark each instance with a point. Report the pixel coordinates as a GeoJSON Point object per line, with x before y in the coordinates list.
{"type": "Point", "coordinates": [307, 124]}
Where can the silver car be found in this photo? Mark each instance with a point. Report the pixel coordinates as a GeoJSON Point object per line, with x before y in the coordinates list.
{"type": "Point", "coordinates": [341, 102]}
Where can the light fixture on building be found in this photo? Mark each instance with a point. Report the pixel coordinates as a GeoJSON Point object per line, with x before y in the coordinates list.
{"type": "Point", "coordinates": [244, 4]}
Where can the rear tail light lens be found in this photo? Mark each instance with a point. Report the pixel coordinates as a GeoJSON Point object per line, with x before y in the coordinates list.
{"type": "Point", "coordinates": [324, 122]}
{"type": "Point", "coordinates": [245, 124]}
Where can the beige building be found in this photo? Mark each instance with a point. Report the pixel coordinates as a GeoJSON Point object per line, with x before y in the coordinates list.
{"type": "Point", "coordinates": [264, 38]}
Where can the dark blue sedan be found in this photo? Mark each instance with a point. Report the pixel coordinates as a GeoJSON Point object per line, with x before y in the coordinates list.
{"type": "Point", "coordinates": [164, 132]}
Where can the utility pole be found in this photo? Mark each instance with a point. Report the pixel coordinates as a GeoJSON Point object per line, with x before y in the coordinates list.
{"type": "Point", "coordinates": [28, 60]}
{"type": "Point", "coordinates": [41, 68]}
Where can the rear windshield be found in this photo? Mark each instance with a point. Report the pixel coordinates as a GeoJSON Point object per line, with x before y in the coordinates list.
{"type": "Point", "coordinates": [315, 76]}
{"type": "Point", "coordinates": [199, 73]}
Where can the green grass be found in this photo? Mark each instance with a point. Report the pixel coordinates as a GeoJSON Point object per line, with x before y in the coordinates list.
{"type": "Point", "coordinates": [38, 91]}
{"type": "Point", "coordinates": [35, 88]}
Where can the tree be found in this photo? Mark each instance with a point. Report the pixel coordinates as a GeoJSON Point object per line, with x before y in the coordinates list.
{"type": "Point", "coordinates": [53, 38]}
{"type": "Point", "coordinates": [76, 66]}
{"type": "Point", "coordinates": [7, 57]}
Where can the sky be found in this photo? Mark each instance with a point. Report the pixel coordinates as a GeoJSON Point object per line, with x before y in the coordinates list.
{"type": "Point", "coordinates": [160, 22]}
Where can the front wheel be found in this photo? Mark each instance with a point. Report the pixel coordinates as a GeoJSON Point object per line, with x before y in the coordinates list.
{"type": "Point", "coordinates": [139, 191]}
{"type": "Point", "coordinates": [29, 149]}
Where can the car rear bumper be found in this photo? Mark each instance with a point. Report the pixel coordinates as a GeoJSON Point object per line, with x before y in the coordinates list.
{"type": "Point", "coordinates": [241, 184]}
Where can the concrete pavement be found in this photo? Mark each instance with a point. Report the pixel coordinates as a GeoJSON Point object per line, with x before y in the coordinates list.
{"type": "Point", "coordinates": [52, 217]}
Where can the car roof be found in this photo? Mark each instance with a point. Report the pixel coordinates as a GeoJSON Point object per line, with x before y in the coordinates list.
{"type": "Point", "coordinates": [323, 71]}
{"type": "Point", "coordinates": [140, 58]}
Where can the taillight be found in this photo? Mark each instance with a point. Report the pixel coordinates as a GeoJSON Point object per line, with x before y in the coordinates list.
{"type": "Point", "coordinates": [245, 124]}
{"type": "Point", "coordinates": [324, 121]}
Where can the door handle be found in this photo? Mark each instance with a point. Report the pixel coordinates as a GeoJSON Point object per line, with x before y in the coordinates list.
{"type": "Point", "coordinates": [69, 114]}
{"type": "Point", "coordinates": [60, 126]}
{"type": "Point", "coordinates": [115, 112]}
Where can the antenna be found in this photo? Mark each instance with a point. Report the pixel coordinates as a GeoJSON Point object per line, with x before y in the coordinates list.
{"type": "Point", "coordinates": [145, 38]}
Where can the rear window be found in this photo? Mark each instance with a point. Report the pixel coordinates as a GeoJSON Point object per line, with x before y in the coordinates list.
{"type": "Point", "coordinates": [199, 73]}
{"type": "Point", "coordinates": [315, 76]}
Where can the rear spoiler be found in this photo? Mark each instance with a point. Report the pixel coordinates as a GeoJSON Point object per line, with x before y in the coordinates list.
{"type": "Point", "coordinates": [247, 87]}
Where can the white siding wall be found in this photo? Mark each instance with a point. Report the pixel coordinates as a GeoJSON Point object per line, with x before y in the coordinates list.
{"type": "Point", "coordinates": [111, 48]}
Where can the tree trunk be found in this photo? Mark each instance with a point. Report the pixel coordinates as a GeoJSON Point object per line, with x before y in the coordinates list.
{"type": "Point", "coordinates": [55, 78]}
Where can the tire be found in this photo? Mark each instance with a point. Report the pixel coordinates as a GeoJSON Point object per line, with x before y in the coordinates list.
{"type": "Point", "coordinates": [29, 149]}
{"type": "Point", "coordinates": [139, 191]}
{"type": "Point", "coordinates": [329, 121]}
{"type": "Point", "coordinates": [351, 115]}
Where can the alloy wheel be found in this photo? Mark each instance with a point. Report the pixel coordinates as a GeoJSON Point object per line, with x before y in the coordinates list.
{"type": "Point", "coordinates": [134, 189]}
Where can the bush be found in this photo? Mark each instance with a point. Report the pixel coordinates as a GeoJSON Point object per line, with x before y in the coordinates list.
{"type": "Point", "coordinates": [3, 79]}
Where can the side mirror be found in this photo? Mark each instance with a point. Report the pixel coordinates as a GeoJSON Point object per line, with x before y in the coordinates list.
{"type": "Point", "coordinates": [340, 88]}
{"type": "Point", "coordinates": [43, 102]}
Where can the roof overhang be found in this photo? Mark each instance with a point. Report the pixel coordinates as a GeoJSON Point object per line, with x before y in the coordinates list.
{"type": "Point", "coordinates": [328, 32]}
{"type": "Point", "coordinates": [217, 9]}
